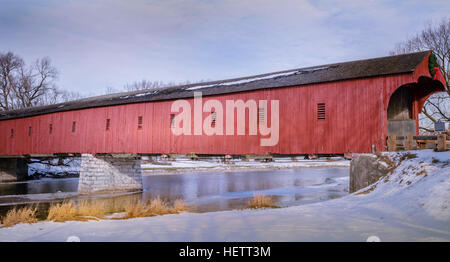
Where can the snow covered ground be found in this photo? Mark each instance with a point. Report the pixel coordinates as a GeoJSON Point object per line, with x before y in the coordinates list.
{"type": "Point", "coordinates": [70, 167]}
{"type": "Point", "coordinates": [55, 167]}
{"type": "Point", "coordinates": [278, 163]}
{"type": "Point", "coordinates": [410, 204]}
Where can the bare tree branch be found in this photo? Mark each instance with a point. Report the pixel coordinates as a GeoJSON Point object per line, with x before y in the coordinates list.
{"type": "Point", "coordinates": [426, 129]}
{"type": "Point", "coordinates": [437, 39]}
{"type": "Point", "coordinates": [24, 86]}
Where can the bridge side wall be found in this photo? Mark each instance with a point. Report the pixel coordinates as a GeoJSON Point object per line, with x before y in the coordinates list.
{"type": "Point", "coordinates": [106, 174]}
{"type": "Point", "coordinates": [354, 121]}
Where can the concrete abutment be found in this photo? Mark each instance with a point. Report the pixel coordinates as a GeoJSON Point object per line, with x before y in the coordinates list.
{"type": "Point", "coordinates": [109, 174]}
{"type": "Point", "coordinates": [365, 169]}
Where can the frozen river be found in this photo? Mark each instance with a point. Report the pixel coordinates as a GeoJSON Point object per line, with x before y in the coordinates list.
{"type": "Point", "coordinates": [205, 191]}
{"type": "Point", "coordinates": [411, 205]}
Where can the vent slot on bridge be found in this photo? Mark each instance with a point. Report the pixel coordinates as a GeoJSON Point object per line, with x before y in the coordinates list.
{"type": "Point", "coordinates": [213, 118]}
{"type": "Point", "coordinates": [140, 121]}
{"type": "Point", "coordinates": [172, 120]}
{"type": "Point", "coordinates": [321, 111]}
{"type": "Point", "coordinates": [261, 114]}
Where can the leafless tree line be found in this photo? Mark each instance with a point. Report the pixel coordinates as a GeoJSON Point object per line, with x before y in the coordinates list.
{"type": "Point", "coordinates": [145, 84]}
{"type": "Point", "coordinates": [23, 86]}
{"type": "Point", "coordinates": [435, 38]}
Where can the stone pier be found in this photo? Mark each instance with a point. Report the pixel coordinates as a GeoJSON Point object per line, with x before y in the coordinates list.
{"type": "Point", "coordinates": [13, 169]}
{"type": "Point", "coordinates": [366, 169]}
{"type": "Point", "coordinates": [109, 174]}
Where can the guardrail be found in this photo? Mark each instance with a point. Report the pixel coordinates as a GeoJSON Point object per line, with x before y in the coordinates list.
{"type": "Point", "coordinates": [439, 142]}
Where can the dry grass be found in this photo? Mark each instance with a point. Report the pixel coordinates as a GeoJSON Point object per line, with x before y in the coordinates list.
{"type": "Point", "coordinates": [116, 205]}
{"type": "Point", "coordinates": [392, 164]}
{"type": "Point", "coordinates": [261, 201]}
{"type": "Point", "coordinates": [68, 210]}
{"type": "Point", "coordinates": [154, 207]}
{"type": "Point", "coordinates": [422, 173]}
{"type": "Point", "coordinates": [61, 212]}
{"type": "Point", "coordinates": [95, 209]}
{"type": "Point", "coordinates": [179, 206]}
{"type": "Point", "coordinates": [408, 156]}
{"type": "Point", "coordinates": [367, 191]}
{"type": "Point", "coordinates": [86, 210]}
{"type": "Point", "coordinates": [158, 207]}
{"type": "Point", "coordinates": [22, 215]}
{"type": "Point", "coordinates": [137, 209]}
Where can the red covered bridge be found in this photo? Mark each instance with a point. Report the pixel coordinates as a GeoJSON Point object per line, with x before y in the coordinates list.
{"type": "Point", "coordinates": [329, 109]}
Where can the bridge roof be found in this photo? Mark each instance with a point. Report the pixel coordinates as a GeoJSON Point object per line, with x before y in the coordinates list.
{"type": "Point", "coordinates": [382, 66]}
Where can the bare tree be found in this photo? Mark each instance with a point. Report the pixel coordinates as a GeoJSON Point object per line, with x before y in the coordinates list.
{"type": "Point", "coordinates": [437, 39]}
{"type": "Point", "coordinates": [22, 86]}
{"type": "Point", "coordinates": [144, 85]}
{"type": "Point", "coordinates": [110, 90]}
{"type": "Point", "coordinates": [35, 83]}
{"type": "Point", "coordinates": [56, 95]}
{"type": "Point", "coordinates": [10, 65]}
{"type": "Point", "coordinates": [65, 96]}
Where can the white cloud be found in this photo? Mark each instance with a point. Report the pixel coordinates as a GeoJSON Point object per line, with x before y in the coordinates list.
{"type": "Point", "coordinates": [103, 43]}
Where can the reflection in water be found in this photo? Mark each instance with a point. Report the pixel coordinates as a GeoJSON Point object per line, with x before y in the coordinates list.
{"type": "Point", "coordinates": [39, 186]}
{"type": "Point", "coordinates": [206, 191]}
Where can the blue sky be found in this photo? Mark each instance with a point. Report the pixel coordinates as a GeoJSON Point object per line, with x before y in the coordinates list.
{"type": "Point", "coordinates": [107, 43]}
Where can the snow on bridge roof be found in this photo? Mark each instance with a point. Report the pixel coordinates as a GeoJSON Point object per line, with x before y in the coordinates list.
{"type": "Point", "coordinates": [301, 76]}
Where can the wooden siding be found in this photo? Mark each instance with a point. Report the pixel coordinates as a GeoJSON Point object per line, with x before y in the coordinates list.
{"type": "Point", "coordinates": [356, 119]}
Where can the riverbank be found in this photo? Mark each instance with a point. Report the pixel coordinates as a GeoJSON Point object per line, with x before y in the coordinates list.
{"type": "Point", "coordinates": [410, 204]}
{"type": "Point", "coordinates": [70, 167]}
{"type": "Point", "coordinates": [206, 191]}
{"type": "Point", "coordinates": [186, 165]}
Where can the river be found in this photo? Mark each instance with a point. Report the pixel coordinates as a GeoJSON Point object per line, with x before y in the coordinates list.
{"type": "Point", "coordinates": [204, 191]}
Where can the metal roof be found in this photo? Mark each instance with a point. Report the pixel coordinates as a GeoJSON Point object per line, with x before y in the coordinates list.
{"type": "Point", "coordinates": [389, 65]}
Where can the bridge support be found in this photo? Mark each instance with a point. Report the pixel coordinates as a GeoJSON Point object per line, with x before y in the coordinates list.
{"type": "Point", "coordinates": [109, 174]}
{"type": "Point", "coordinates": [13, 169]}
{"type": "Point", "coordinates": [366, 170]}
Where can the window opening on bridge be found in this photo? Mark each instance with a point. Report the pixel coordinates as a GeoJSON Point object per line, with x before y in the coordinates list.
{"type": "Point", "coordinates": [261, 114]}
{"type": "Point", "coordinates": [12, 133]}
{"type": "Point", "coordinates": [50, 129]}
{"type": "Point", "coordinates": [29, 131]}
{"type": "Point", "coordinates": [140, 122]}
{"type": "Point", "coordinates": [321, 111]}
{"type": "Point", "coordinates": [74, 126]}
{"type": "Point", "coordinates": [213, 118]}
{"type": "Point", "coordinates": [108, 124]}
{"type": "Point", "coordinates": [172, 120]}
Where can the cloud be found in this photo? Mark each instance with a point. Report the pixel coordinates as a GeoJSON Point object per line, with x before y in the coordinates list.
{"type": "Point", "coordinates": [102, 43]}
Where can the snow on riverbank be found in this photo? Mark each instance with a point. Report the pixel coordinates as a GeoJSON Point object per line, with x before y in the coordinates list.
{"type": "Point", "coordinates": [70, 167]}
{"type": "Point", "coordinates": [55, 167]}
{"type": "Point", "coordinates": [410, 204]}
{"type": "Point", "coordinates": [278, 163]}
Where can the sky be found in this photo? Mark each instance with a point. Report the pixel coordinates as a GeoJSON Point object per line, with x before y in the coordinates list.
{"type": "Point", "coordinates": [99, 44]}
